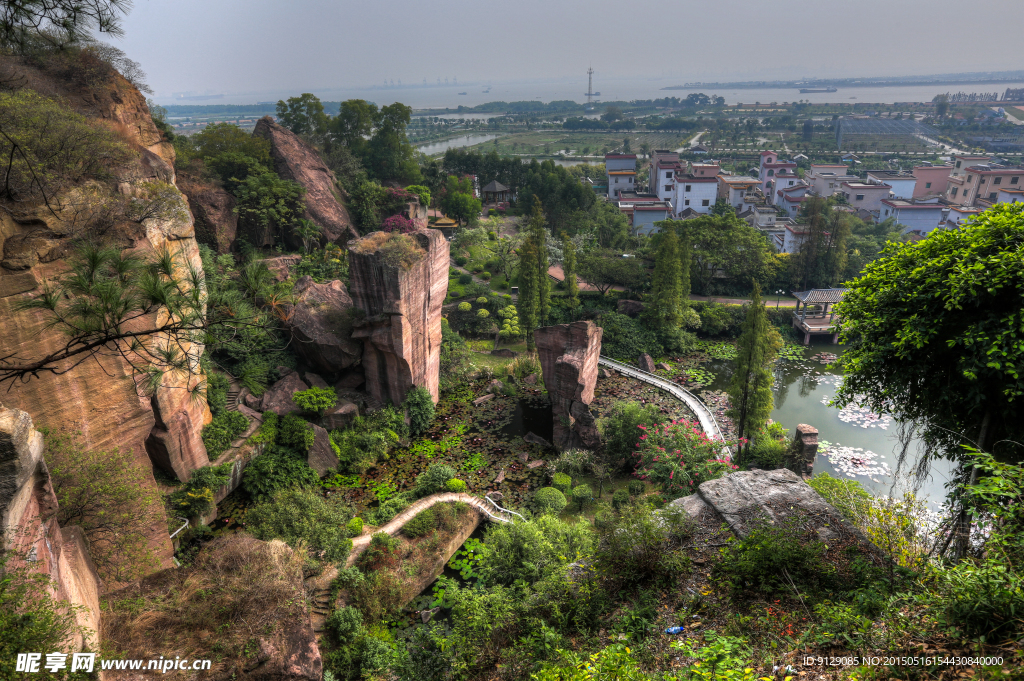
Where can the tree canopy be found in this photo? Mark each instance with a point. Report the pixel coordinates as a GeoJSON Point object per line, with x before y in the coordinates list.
{"type": "Point", "coordinates": [723, 244]}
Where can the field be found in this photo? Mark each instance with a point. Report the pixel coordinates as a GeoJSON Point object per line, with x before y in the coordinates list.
{"type": "Point", "coordinates": [584, 143]}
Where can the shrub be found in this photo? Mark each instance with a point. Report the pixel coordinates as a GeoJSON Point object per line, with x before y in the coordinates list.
{"type": "Point", "coordinates": [522, 366]}
{"type": "Point", "coordinates": [455, 485]}
{"type": "Point", "coordinates": [504, 285]}
{"type": "Point", "coordinates": [678, 456]}
{"type": "Point", "coordinates": [275, 470]}
{"type": "Point", "coordinates": [465, 307]}
{"type": "Point", "coordinates": [216, 392]}
{"type": "Point", "coordinates": [461, 261]}
{"type": "Point", "coordinates": [762, 560]}
{"type": "Point", "coordinates": [549, 500]}
{"type": "Point", "coordinates": [482, 300]}
{"type": "Point", "coordinates": [582, 494]}
{"type": "Point", "coordinates": [638, 543]}
{"type": "Point", "coordinates": [302, 516]}
{"type": "Point", "coordinates": [420, 524]}
{"type": "Point", "coordinates": [398, 223]}
{"type": "Point", "coordinates": [635, 487]}
{"type": "Point", "coordinates": [419, 405]}
{"type": "Point", "coordinates": [316, 400]}
{"type": "Point", "coordinates": [355, 527]}
{"type": "Point", "coordinates": [483, 313]}
{"type": "Point", "coordinates": [485, 275]}
{"type": "Point", "coordinates": [983, 599]}
{"type": "Point", "coordinates": [388, 509]}
{"type": "Point", "coordinates": [492, 264]}
{"type": "Point", "coordinates": [295, 433]}
{"type": "Point", "coordinates": [267, 432]}
{"type": "Point", "coordinates": [767, 452]}
{"type": "Point", "coordinates": [434, 479]}
{"type": "Point", "coordinates": [561, 482]}
{"type": "Point", "coordinates": [621, 497]}
{"type": "Point", "coordinates": [368, 439]}
{"type": "Point", "coordinates": [195, 497]}
{"type": "Point", "coordinates": [620, 430]}
{"type": "Point", "coordinates": [222, 431]}
{"type": "Point", "coordinates": [381, 553]}
{"type": "Point", "coordinates": [846, 496]}
{"type": "Point", "coordinates": [465, 279]}
{"type": "Point", "coordinates": [531, 549]}
{"type": "Point", "coordinates": [573, 462]}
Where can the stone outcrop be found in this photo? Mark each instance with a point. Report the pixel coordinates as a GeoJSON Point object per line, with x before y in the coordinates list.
{"type": "Point", "coordinates": [803, 449]}
{"type": "Point", "coordinates": [321, 456]}
{"type": "Point", "coordinates": [213, 209]}
{"type": "Point", "coordinates": [28, 524]}
{"type": "Point", "coordinates": [321, 323]}
{"type": "Point", "coordinates": [645, 363]}
{"type": "Point", "coordinates": [278, 398]}
{"type": "Point", "coordinates": [281, 266]}
{"type": "Point", "coordinates": [341, 416]}
{"type": "Point", "coordinates": [175, 443]}
{"type": "Point", "coordinates": [568, 355]}
{"type": "Point", "coordinates": [297, 161]}
{"type": "Point", "coordinates": [401, 331]}
{"type": "Point", "coordinates": [630, 308]}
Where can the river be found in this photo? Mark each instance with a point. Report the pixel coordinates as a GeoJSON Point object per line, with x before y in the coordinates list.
{"type": "Point", "coordinates": [802, 391]}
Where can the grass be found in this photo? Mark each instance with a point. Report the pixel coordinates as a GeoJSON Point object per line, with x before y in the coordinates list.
{"type": "Point", "coordinates": [549, 142]}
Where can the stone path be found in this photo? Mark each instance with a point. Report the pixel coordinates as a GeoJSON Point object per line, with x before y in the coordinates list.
{"type": "Point", "coordinates": [703, 412]}
{"type": "Point", "coordinates": [488, 509]}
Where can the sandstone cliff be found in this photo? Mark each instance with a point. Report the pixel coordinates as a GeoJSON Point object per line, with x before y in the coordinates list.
{"type": "Point", "coordinates": [213, 207]}
{"type": "Point", "coordinates": [568, 354]}
{"type": "Point", "coordinates": [402, 330]}
{"type": "Point", "coordinates": [297, 161]}
{"type": "Point", "coordinates": [28, 525]}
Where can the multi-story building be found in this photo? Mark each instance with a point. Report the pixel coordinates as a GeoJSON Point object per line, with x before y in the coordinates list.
{"type": "Point", "coordinates": [1010, 196]}
{"type": "Point", "coordinates": [790, 199]}
{"type": "Point", "coordinates": [775, 174]}
{"type": "Point", "coordinates": [661, 179]}
{"type": "Point", "coordinates": [825, 179]}
{"type": "Point", "coordinates": [979, 185]}
{"type": "Point", "coordinates": [643, 210]}
{"type": "Point", "coordinates": [903, 184]}
{"type": "Point", "coordinates": [763, 218]}
{"type": "Point", "coordinates": [621, 172]}
{"type": "Point", "coordinates": [915, 217]}
{"type": "Point", "coordinates": [861, 195]}
{"type": "Point", "coordinates": [704, 169]}
{"type": "Point", "coordinates": [957, 215]}
{"type": "Point", "coordinates": [735, 189]}
{"type": "Point", "coordinates": [696, 193]}
{"type": "Point", "coordinates": [931, 180]}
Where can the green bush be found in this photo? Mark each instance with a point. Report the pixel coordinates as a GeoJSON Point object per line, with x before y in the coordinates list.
{"type": "Point", "coordinates": [195, 497]}
{"type": "Point", "coordinates": [222, 431]}
{"type": "Point", "coordinates": [561, 482]}
{"type": "Point", "coordinates": [769, 553]}
{"type": "Point", "coordinates": [275, 470]}
{"type": "Point", "coordinates": [620, 498]}
{"type": "Point", "coordinates": [846, 496]}
{"type": "Point", "coordinates": [492, 264]}
{"type": "Point", "coordinates": [532, 549]}
{"type": "Point", "coordinates": [267, 432]}
{"type": "Point", "coordinates": [301, 515]}
{"type": "Point", "coordinates": [635, 487]}
{"type": "Point", "coordinates": [485, 275]}
{"type": "Point", "coordinates": [582, 494]}
{"type": "Point", "coordinates": [639, 543]}
{"type": "Point", "coordinates": [549, 500]}
{"type": "Point", "coordinates": [504, 285]}
{"type": "Point", "coordinates": [216, 392]}
{"type": "Point", "coordinates": [381, 553]}
{"type": "Point", "coordinates": [388, 509]}
{"type": "Point", "coordinates": [316, 400]}
{"type": "Point", "coordinates": [434, 479]}
{"type": "Point", "coordinates": [355, 527]}
{"type": "Point", "coordinates": [465, 279]}
{"type": "Point", "coordinates": [465, 306]}
{"type": "Point", "coordinates": [620, 430]}
{"type": "Point", "coordinates": [455, 485]}
{"type": "Point", "coordinates": [419, 405]}
{"type": "Point", "coordinates": [368, 439]}
{"type": "Point", "coordinates": [295, 433]}
{"type": "Point", "coordinates": [461, 261]}
{"type": "Point", "coordinates": [983, 599]}
{"type": "Point", "coordinates": [420, 524]}
{"type": "Point", "coordinates": [767, 453]}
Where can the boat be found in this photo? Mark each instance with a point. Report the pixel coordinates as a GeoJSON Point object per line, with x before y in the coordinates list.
{"type": "Point", "coordinates": [462, 93]}
{"type": "Point", "coordinates": [818, 89]}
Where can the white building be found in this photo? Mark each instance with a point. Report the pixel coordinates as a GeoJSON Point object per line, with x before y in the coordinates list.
{"type": "Point", "coordinates": [959, 214]}
{"type": "Point", "coordinates": [903, 184]}
{"type": "Point", "coordinates": [790, 199]}
{"type": "Point", "coordinates": [621, 171]}
{"type": "Point", "coordinates": [772, 168]}
{"type": "Point", "coordinates": [661, 179]}
{"type": "Point", "coordinates": [1010, 196]}
{"type": "Point", "coordinates": [917, 218]}
{"type": "Point", "coordinates": [696, 193]}
{"type": "Point", "coordinates": [740, 191]}
{"type": "Point", "coordinates": [869, 197]}
{"type": "Point", "coordinates": [825, 179]}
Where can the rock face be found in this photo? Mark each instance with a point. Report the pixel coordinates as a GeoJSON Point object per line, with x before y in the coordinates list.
{"type": "Point", "coordinates": [297, 161]}
{"type": "Point", "coordinates": [321, 457]}
{"type": "Point", "coordinates": [803, 450]}
{"type": "Point", "coordinates": [645, 363]}
{"type": "Point", "coordinates": [278, 398]}
{"type": "Point", "coordinates": [213, 209]}
{"type": "Point", "coordinates": [568, 355]}
{"type": "Point", "coordinates": [28, 526]}
{"type": "Point", "coordinates": [401, 332]}
{"type": "Point", "coordinates": [175, 444]}
{"type": "Point", "coordinates": [321, 324]}
{"type": "Point", "coordinates": [631, 308]}
{"type": "Point", "coordinates": [282, 265]}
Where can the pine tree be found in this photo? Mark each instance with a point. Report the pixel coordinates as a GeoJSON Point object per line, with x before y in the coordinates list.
{"type": "Point", "coordinates": [538, 233]}
{"type": "Point", "coordinates": [664, 308]}
{"type": "Point", "coordinates": [569, 268]}
{"type": "Point", "coordinates": [685, 257]}
{"type": "Point", "coordinates": [750, 391]}
{"type": "Point", "coordinates": [527, 301]}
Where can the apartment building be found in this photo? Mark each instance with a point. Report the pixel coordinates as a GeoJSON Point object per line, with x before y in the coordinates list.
{"type": "Point", "coordinates": [979, 185]}
{"type": "Point", "coordinates": [903, 184]}
{"type": "Point", "coordinates": [739, 191]}
{"type": "Point", "coordinates": [696, 193]}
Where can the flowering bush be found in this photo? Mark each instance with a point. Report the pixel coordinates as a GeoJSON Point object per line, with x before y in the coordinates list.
{"type": "Point", "coordinates": [397, 223]}
{"type": "Point", "coordinates": [678, 456]}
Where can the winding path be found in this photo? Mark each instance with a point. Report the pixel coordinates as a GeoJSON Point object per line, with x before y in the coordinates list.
{"type": "Point", "coordinates": [487, 508]}
{"type": "Point", "coordinates": [704, 414]}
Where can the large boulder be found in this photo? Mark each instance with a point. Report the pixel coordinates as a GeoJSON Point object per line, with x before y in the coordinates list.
{"type": "Point", "coordinates": [645, 363]}
{"type": "Point", "coordinates": [278, 398]}
{"type": "Point", "coordinates": [281, 266]}
{"type": "Point", "coordinates": [297, 161]}
{"type": "Point", "coordinates": [401, 332]}
{"type": "Point", "coordinates": [213, 209]}
{"type": "Point", "coordinates": [321, 456]}
{"type": "Point", "coordinates": [568, 355]}
{"type": "Point", "coordinates": [340, 416]}
{"type": "Point", "coordinates": [631, 308]}
{"type": "Point", "coordinates": [321, 323]}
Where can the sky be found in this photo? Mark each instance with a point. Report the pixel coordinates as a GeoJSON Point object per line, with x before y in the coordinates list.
{"type": "Point", "coordinates": [255, 50]}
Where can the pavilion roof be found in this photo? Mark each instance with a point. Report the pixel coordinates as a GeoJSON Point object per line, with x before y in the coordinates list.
{"type": "Point", "coordinates": [495, 186]}
{"type": "Point", "coordinates": [821, 295]}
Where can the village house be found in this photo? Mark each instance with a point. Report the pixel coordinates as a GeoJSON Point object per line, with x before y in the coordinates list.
{"type": "Point", "coordinates": [621, 172]}
{"type": "Point", "coordinates": [825, 179]}
{"type": "Point", "coordinates": [931, 180]}
{"type": "Point", "coordinates": [902, 183]}
{"type": "Point", "coordinates": [661, 180]}
{"type": "Point", "coordinates": [696, 193]}
{"type": "Point", "coordinates": [915, 217]}
{"type": "Point", "coordinates": [869, 197]}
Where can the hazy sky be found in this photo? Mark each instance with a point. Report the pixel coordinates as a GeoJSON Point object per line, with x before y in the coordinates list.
{"type": "Point", "coordinates": [263, 48]}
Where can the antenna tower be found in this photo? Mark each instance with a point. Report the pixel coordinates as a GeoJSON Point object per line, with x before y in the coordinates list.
{"type": "Point", "coordinates": [590, 85]}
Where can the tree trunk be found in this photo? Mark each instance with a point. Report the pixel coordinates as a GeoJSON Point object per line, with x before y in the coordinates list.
{"type": "Point", "coordinates": [963, 530]}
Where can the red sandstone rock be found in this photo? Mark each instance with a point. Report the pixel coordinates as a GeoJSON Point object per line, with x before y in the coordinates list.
{"type": "Point", "coordinates": [321, 323]}
{"type": "Point", "coordinates": [402, 330]}
{"type": "Point", "coordinates": [213, 209]}
{"type": "Point", "coordinates": [645, 363]}
{"type": "Point", "coordinates": [321, 457]}
{"type": "Point", "coordinates": [281, 266]}
{"type": "Point", "coordinates": [279, 398]}
{"type": "Point", "coordinates": [175, 444]}
{"type": "Point", "coordinates": [315, 380]}
{"type": "Point", "coordinates": [568, 355]}
{"type": "Point", "coordinates": [340, 416]}
{"type": "Point", "coordinates": [297, 161]}
{"type": "Point", "coordinates": [352, 379]}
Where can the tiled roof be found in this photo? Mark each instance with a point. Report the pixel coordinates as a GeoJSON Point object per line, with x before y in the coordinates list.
{"type": "Point", "coordinates": [820, 295]}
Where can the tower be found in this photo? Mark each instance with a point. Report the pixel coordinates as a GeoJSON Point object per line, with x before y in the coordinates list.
{"type": "Point", "coordinates": [590, 85]}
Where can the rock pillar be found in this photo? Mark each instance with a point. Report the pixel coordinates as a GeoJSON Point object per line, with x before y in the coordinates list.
{"type": "Point", "coordinates": [28, 524]}
{"type": "Point", "coordinates": [401, 331]}
{"type": "Point", "coordinates": [803, 449]}
{"type": "Point", "coordinates": [568, 355]}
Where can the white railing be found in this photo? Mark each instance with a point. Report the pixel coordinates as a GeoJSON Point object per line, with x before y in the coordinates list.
{"type": "Point", "coordinates": [175, 533]}
{"type": "Point", "coordinates": [500, 510]}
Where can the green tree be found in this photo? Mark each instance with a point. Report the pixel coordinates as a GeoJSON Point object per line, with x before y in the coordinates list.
{"type": "Point", "coordinates": [354, 125]}
{"type": "Point", "coordinates": [316, 400]}
{"type": "Point", "coordinates": [24, 24]}
{"type": "Point", "coordinates": [666, 301]}
{"type": "Point", "coordinates": [304, 115]}
{"type": "Point", "coordinates": [389, 155]}
{"type": "Point", "coordinates": [224, 138]}
{"type": "Point", "coordinates": [941, 105]}
{"type": "Point", "coordinates": [458, 201]}
{"type": "Point", "coordinates": [308, 232]}
{"type": "Point", "coordinates": [569, 269]}
{"type": "Point", "coordinates": [723, 245]}
{"type": "Point", "coordinates": [419, 405]}
{"type": "Point", "coordinates": [528, 302]}
{"type": "Point", "coordinates": [750, 390]}
{"type": "Point", "coordinates": [604, 269]}
{"type": "Point", "coordinates": [936, 338]}
{"type": "Point", "coordinates": [268, 207]}
{"type": "Point", "coordinates": [822, 258]}
{"type": "Point", "coordinates": [299, 516]}
{"type": "Point", "coordinates": [538, 232]}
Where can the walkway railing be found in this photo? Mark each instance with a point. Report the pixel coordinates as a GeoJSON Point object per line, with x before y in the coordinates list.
{"type": "Point", "coordinates": [506, 518]}
{"type": "Point", "coordinates": [703, 412]}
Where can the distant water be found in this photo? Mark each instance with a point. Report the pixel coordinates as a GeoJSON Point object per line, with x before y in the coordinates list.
{"type": "Point", "coordinates": [432, 148]}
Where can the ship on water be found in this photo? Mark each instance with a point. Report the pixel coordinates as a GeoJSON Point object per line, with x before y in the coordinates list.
{"type": "Point", "coordinates": [818, 89]}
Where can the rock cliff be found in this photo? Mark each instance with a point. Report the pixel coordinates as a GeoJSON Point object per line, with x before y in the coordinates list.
{"type": "Point", "coordinates": [568, 355]}
{"type": "Point", "coordinates": [321, 323]}
{"type": "Point", "coordinates": [297, 161]}
{"type": "Point", "coordinates": [28, 525]}
{"type": "Point", "coordinates": [213, 208]}
{"type": "Point", "coordinates": [401, 332]}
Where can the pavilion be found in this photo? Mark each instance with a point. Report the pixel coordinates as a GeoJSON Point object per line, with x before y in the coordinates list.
{"type": "Point", "coordinates": [816, 318]}
{"type": "Point", "coordinates": [496, 192]}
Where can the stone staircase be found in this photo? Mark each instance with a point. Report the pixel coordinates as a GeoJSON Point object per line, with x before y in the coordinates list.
{"type": "Point", "coordinates": [234, 390]}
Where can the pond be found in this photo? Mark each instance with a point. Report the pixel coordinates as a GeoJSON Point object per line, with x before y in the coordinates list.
{"type": "Point", "coordinates": [435, 148]}
{"type": "Point", "coordinates": [864, 446]}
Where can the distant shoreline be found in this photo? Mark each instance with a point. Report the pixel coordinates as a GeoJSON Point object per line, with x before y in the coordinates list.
{"type": "Point", "coordinates": [796, 85]}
